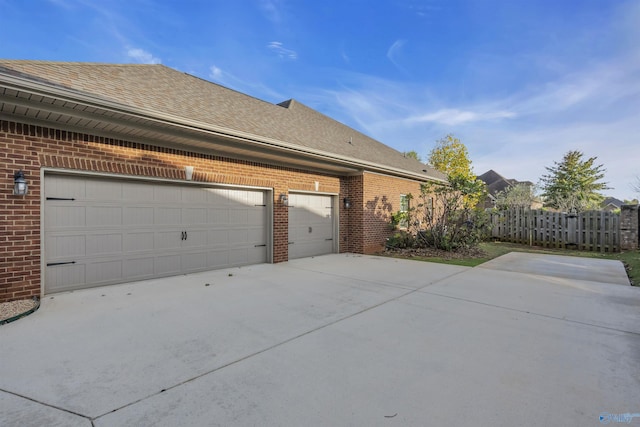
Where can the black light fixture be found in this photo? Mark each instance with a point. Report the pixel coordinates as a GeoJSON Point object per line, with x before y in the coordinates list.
{"type": "Point", "coordinates": [347, 203]}
{"type": "Point", "coordinates": [20, 186]}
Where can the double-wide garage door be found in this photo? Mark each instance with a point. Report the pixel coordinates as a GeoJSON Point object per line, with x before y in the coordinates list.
{"type": "Point", "coordinates": [100, 231]}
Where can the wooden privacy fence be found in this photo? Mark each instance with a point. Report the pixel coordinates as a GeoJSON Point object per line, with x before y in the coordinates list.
{"type": "Point", "coordinates": [597, 231]}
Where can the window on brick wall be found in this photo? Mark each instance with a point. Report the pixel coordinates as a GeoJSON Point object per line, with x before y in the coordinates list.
{"type": "Point", "coordinates": [404, 208]}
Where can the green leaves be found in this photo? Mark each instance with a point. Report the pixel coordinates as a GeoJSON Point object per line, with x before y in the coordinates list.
{"type": "Point", "coordinates": [451, 157]}
{"type": "Point", "coordinates": [573, 185]}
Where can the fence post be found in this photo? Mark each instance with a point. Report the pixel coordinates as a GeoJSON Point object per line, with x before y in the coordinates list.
{"type": "Point", "coordinates": [629, 227]}
{"type": "Point", "coordinates": [572, 220]}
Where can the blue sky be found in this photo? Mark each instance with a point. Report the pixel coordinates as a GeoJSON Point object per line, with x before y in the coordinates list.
{"type": "Point", "coordinates": [520, 82]}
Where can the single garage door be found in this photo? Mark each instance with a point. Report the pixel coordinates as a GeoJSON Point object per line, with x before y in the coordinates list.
{"type": "Point", "coordinates": [100, 231]}
{"type": "Point", "coordinates": [311, 225]}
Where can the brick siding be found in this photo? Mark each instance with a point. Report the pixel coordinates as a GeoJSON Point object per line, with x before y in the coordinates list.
{"type": "Point", "coordinates": [381, 199]}
{"type": "Point", "coordinates": [30, 148]}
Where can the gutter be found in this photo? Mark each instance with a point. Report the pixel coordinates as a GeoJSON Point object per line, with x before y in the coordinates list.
{"type": "Point", "coordinates": [72, 96]}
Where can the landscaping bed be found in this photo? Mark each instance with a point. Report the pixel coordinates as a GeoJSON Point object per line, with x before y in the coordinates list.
{"type": "Point", "coordinates": [14, 310]}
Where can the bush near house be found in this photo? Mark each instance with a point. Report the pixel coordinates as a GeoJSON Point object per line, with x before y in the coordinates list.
{"type": "Point", "coordinates": [441, 219]}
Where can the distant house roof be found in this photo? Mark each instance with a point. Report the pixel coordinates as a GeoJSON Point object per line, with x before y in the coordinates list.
{"type": "Point", "coordinates": [612, 202]}
{"type": "Point", "coordinates": [158, 102]}
{"type": "Point", "coordinates": [496, 182]}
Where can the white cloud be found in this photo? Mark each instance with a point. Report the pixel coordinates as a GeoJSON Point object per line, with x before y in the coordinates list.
{"type": "Point", "coordinates": [452, 116]}
{"type": "Point", "coordinates": [272, 9]}
{"type": "Point", "coordinates": [592, 108]}
{"type": "Point", "coordinates": [281, 51]}
{"type": "Point", "coordinates": [142, 56]}
{"type": "Point", "coordinates": [394, 52]}
{"type": "Point", "coordinates": [215, 73]}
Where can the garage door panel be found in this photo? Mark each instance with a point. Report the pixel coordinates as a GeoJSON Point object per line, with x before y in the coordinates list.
{"type": "Point", "coordinates": [168, 240]}
{"type": "Point", "coordinates": [65, 187]}
{"type": "Point", "coordinates": [64, 277]}
{"type": "Point", "coordinates": [311, 225]}
{"type": "Point", "coordinates": [104, 216]}
{"type": "Point", "coordinates": [238, 237]}
{"type": "Point", "coordinates": [103, 244]}
{"type": "Point", "coordinates": [238, 216]}
{"type": "Point", "coordinates": [128, 230]}
{"type": "Point", "coordinates": [218, 216]}
{"type": "Point", "coordinates": [65, 216]}
{"type": "Point", "coordinates": [194, 195]}
{"type": "Point", "coordinates": [219, 258]}
{"type": "Point", "coordinates": [137, 192]}
{"type": "Point", "coordinates": [137, 215]}
{"type": "Point", "coordinates": [257, 255]}
{"type": "Point", "coordinates": [195, 261]}
{"type": "Point", "coordinates": [138, 268]}
{"type": "Point", "coordinates": [218, 237]}
{"type": "Point", "coordinates": [256, 236]}
{"type": "Point", "coordinates": [167, 194]}
{"type": "Point", "coordinates": [238, 256]}
{"type": "Point", "coordinates": [140, 241]}
{"type": "Point", "coordinates": [65, 246]}
{"type": "Point", "coordinates": [194, 216]}
{"type": "Point", "coordinates": [101, 190]}
{"type": "Point", "coordinates": [168, 264]}
{"type": "Point", "coordinates": [167, 216]}
{"type": "Point", "coordinates": [108, 271]}
{"type": "Point", "coordinates": [196, 238]}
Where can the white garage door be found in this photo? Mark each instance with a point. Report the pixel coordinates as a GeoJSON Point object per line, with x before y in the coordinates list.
{"type": "Point", "coordinates": [105, 231]}
{"type": "Point", "coordinates": [311, 225]}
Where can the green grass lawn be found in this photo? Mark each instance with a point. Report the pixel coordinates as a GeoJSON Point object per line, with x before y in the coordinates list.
{"type": "Point", "coordinates": [490, 250]}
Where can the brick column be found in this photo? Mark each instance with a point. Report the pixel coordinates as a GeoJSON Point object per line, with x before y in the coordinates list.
{"type": "Point", "coordinates": [629, 227]}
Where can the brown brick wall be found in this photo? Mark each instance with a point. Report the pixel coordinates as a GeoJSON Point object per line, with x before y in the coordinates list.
{"type": "Point", "coordinates": [351, 224]}
{"type": "Point", "coordinates": [381, 200]}
{"type": "Point", "coordinates": [31, 147]}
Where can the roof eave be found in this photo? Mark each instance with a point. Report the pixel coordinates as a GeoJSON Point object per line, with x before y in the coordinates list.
{"type": "Point", "coordinates": [184, 124]}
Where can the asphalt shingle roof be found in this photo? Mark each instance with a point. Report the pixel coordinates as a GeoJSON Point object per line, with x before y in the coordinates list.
{"type": "Point", "coordinates": [164, 90]}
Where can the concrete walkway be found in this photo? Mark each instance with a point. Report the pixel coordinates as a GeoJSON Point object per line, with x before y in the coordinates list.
{"type": "Point", "coordinates": [333, 340]}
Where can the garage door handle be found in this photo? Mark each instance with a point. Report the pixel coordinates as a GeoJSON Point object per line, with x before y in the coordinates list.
{"type": "Point", "coordinates": [51, 264]}
{"type": "Point", "coordinates": [291, 243]}
{"type": "Point", "coordinates": [58, 198]}
{"type": "Point", "coordinates": [260, 246]}
{"type": "Point", "coordinates": [326, 240]}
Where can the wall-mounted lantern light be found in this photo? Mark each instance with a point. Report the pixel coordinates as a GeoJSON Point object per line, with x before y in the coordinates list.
{"type": "Point", "coordinates": [347, 203]}
{"type": "Point", "coordinates": [284, 199]}
{"type": "Point", "coordinates": [20, 186]}
{"type": "Point", "coordinates": [188, 172]}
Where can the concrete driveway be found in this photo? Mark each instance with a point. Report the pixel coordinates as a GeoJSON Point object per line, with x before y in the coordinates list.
{"type": "Point", "coordinates": [339, 340]}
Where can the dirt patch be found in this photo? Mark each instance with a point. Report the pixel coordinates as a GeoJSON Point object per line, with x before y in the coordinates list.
{"type": "Point", "coordinates": [465, 253]}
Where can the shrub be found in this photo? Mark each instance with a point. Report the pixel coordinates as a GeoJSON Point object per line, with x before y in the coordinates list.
{"type": "Point", "coordinates": [401, 240]}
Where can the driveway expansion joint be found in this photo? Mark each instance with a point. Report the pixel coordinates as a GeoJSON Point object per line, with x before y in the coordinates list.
{"type": "Point", "coordinates": [257, 353]}
{"type": "Point", "coordinates": [548, 316]}
{"type": "Point", "coordinates": [49, 405]}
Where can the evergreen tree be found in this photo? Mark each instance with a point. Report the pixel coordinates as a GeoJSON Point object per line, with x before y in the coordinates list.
{"type": "Point", "coordinates": [413, 155]}
{"type": "Point", "coordinates": [573, 185]}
